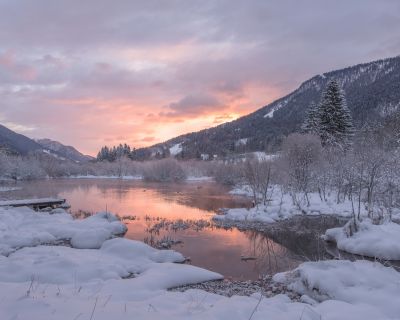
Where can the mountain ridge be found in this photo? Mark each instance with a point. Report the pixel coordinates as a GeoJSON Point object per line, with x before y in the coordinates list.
{"type": "Point", "coordinates": [63, 150]}
{"type": "Point", "coordinates": [19, 144]}
{"type": "Point", "coordinates": [372, 92]}
{"type": "Point", "coordinates": [16, 143]}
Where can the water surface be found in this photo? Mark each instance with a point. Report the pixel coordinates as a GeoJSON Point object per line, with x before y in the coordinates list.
{"type": "Point", "coordinates": [150, 204]}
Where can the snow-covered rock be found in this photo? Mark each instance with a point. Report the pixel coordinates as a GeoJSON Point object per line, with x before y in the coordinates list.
{"type": "Point", "coordinates": [377, 241]}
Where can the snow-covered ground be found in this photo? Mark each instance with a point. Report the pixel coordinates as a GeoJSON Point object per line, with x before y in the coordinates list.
{"type": "Point", "coordinates": [136, 177]}
{"type": "Point", "coordinates": [23, 227]}
{"type": "Point", "coordinates": [377, 241]}
{"type": "Point", "coordinates": [281, 207]}
{"type": "Point", "coordinates": [117, 278]}
{"type": "Point", "coordinates": [6, 189]}
{"type": "Point", "coordinates": [199, 178]}
{"type": "Point", "coordinates": [331, 290]}
{"type": "Point", "coordinates": [361, 289]}
{"type": "Point", "coordinates": [89, 176]}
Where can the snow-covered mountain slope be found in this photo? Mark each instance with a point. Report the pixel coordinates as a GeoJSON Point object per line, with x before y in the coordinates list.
{"type": "Point", "coordinates": [63, 151]}
{"type": "Point", "coordinates": [372, 93]}
{"type": "Point", "coordinates": [16, 143]}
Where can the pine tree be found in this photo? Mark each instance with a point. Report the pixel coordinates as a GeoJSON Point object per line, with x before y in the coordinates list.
{"type": "Point", "coordinates": [115, 153]}
{"type": "Point", "coordinates": [311, 121]}
{"type": "Point", "coordinates": [335, 121]}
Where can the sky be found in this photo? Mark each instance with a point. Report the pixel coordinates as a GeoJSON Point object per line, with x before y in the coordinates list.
{"type": "Point", "coordinates": [96, 72]}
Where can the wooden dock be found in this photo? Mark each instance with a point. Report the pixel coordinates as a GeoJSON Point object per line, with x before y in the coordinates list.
{"type": "Point", "coordinates": [35, 204]}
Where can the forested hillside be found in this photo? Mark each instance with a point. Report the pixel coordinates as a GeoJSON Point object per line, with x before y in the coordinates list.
{"type": "Point", "coordinates": [372, 91]}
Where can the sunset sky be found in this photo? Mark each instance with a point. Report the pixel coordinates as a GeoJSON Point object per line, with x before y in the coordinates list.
{"type": "Point", "coordinates": [93, 73]}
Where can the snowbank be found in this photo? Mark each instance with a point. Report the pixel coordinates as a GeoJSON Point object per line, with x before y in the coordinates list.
{"type": "Point", "coordinates": [6, 189]}
{"type": "Point", "coordinates": [126, 279]}
{"type": "Point", "coordinates": [377, 241]}
{"type": "Point", "coordinates": [115, 299]}
{"type": "Point", "coordinates": [23, 227]}
{"type": "Point", "coordinates": [354, 298]}
{"type": "Point", "coordinates": [89, 176]}
{"type": "Point", "coordinates": [368, 285]}
{"type": "Point", "coordinates": [116, 259]}
{"type": "Point", "coordinates": [199, 178]}
{"type": "Point", "coordinates": [281, 207]}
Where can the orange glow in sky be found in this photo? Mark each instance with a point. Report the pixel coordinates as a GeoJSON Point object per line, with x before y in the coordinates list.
{"type": "Point", "coordinates": [95, 73]}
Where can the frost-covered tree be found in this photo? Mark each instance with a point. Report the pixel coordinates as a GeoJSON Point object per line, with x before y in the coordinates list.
{"type": "Point", "coordinates": [301, 155]}
{"type": "Point", "coordinates": [257, 174]}
{"type": "Point", "coordinates": [335, 121]}
{"type": "Point", "coordinates": [311, 121]}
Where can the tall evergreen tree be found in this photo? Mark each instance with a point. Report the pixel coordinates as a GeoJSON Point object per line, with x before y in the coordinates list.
{"type": "Point", "coordinates": [335, 121]}
{"type": "Point", "coordinates": [311, 121]}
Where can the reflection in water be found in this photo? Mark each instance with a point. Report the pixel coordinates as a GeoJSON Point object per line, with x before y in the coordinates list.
{"type": "Point", "coordinates": [173, 212]}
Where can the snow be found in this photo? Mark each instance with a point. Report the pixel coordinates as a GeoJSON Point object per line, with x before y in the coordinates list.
{"type": "Point", "coordinates": [122, 279]}
{"type": "Point", "coordinates": [116, 259]}
{"type": "Point", "coordinates": [281, 207]}
{"type": "Point", "coordinates": [6, 189]}
{"type": "Point", "coordinates": [115, 299]}
{"type": "Point", "coordinates": [53, 154]}
{"type": "Point", "coordinates": [175, 149]}
{"type": "Point", "coordinates": [89, 176]}
{"type": "Point", "coordinates": [377, 241]}
{"type": "Point", "coordinates": [363, 284]}
{"type": "Point", "coordinates": [276, 107]}
{"type": "Point", "coordinates": [23, 227]}
{"type": "Point", "coordinates": [262, 156]}
{"type": "Point", "coordinates": [138, 177]}
{"type": "Point", "coordinates": [347, 294]}
{"type": "Point", "coordinates": [199, 178]}
{"type": "Point", "coordinates": [29, 201]}
{"type": "Point", "coordinates": [270, 114]}
{"type": "Point", "coordinates": [241, 142]}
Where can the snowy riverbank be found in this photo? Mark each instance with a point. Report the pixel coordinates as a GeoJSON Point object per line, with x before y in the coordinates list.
{"type": "Point", "coordinates": [280, 206]}
{"type": "Point", "coordinates": [138, 177]}
{"type": "Point", "coordinates": [44, 274]}
{"type": "Point", "coordinates": [380, 241]}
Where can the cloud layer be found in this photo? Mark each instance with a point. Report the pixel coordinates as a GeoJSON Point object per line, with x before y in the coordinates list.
{"type": "Point", "coordinates": [98, 72]}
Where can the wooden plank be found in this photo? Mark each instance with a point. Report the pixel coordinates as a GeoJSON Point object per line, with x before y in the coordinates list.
{"type": "Point", "coordinates": [43, 202]}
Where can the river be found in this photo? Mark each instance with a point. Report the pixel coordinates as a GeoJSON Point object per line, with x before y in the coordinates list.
{"type": "Point", "coordinates": [173, 211]}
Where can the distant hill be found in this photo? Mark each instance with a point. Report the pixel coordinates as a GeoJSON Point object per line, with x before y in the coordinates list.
{"type": "Point", "coordinates": [372, 93]}
{"type": "Point", "coordinates": [17, 143]}
{"type": "Point", "coordinates": [63, 151]}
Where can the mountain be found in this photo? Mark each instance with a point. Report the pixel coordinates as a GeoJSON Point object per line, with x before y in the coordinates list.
{"type": "Point", "coordinates": [16, 143]}
{"type": "Point", "coordinates": [62, 151]}
{"type": "Point", "coordinates": [372, 92]}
